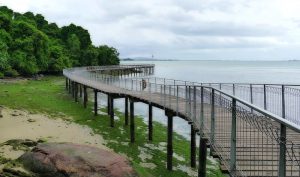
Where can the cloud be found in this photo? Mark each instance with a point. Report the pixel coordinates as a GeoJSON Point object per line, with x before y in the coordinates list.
{"type": "Point", "coordinates": [194, 29]}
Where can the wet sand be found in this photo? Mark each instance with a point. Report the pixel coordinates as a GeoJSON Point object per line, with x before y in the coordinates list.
{"type": "Point", "coordinates": [17, 124]}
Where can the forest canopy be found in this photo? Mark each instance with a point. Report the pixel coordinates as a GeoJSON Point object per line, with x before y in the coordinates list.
{"type": "Point", "coordinates": [29, 45]}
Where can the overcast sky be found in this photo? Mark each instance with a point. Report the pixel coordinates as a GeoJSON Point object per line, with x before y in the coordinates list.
{"type": "Point", "coordinates": [182, 29]}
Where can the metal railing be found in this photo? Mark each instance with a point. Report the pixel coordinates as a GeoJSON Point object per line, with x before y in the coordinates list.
{"type": "Point", "coordinates": [249, 140]}
{"type": "Point", "coordinates": [266, 96]}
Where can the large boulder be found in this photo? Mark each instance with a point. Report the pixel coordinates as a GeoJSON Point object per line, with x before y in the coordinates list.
{"type": "Point", "coordinates": [73, 160]}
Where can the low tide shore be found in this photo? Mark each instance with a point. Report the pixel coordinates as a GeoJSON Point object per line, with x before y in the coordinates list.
{"type": "Point", "coordinates": [20, 124]}
{"type": "Point", "coordinates": [42, 110]}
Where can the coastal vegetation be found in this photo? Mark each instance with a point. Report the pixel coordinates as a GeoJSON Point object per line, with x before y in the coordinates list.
{"type": "Point", "coordinates": [48, 96]}
{"type": "Point", "coordinates": [30, 45]}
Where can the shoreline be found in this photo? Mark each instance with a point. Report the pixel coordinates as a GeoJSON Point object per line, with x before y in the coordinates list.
{"type": "Point", "coordinates": [48, 97]}
{"type": "Point", "coordinates": [23, 125]}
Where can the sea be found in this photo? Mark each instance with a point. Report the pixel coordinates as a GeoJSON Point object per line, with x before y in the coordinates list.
{"type": "Point", "coordinates": [268, 72]}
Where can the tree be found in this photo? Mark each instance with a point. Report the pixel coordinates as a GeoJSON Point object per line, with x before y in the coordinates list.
{"type": "Point", "coordinates": [5, 40]}
{"type": "Point", "coordinates": [89, 57]}
{"type": "Point", "coordinates": [29, 44]}
{"type": "Point", "coordinates": [73, 44]}
{"type": "Point", "coordinates": [108, 55]}
{"type": "Point", "coordinates": [7, 11]}
{"type": "Point", "coordinates": [5, 22]}
{"type": "Point", "coordinates": [57, 59]}
{"type": "Point", "coordinates": [82, 34]}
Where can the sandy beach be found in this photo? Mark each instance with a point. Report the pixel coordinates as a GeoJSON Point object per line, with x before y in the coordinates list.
{"type": "Point", "coordinates": [21, 124]}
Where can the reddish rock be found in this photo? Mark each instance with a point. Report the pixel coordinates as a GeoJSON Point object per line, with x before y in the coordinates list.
{"type": "Point", "coordinates": [68, 159]}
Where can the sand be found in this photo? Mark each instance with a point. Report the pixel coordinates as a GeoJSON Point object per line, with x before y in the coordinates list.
{"type": "Point", "coordinates": [17, 124]}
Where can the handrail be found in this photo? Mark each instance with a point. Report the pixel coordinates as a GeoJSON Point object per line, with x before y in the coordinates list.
{"type": "Point", "coordinates": [239, 115]}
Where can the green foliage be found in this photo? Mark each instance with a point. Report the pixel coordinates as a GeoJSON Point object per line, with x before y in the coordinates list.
{"type": "Point", "coordinates": [29, 44]}
{"type": "Point", "coordinates": [5, 22]}
{"type": "Point", "coordinates": [82, 34]}
{"type": "Point", "coordinates": [107, 55]}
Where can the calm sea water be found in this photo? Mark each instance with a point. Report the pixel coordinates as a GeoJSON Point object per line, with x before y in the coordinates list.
{"type": "Point", "coordinates": [287, 72]}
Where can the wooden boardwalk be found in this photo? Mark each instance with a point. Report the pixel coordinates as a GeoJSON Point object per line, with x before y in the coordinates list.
{"type": "Point", "coordinates": [248, 141]}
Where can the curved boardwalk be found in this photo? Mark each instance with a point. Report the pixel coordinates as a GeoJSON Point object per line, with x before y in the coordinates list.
{"type": "Point", "coordinates": [248, 140]}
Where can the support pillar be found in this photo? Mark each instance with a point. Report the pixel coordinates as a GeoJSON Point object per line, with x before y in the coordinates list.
{"type": "Point", "coordinates": [76, 92]}
{"type": "Point", "coordinates": [95, 102]}
{"type": "Point", "coordinates": [126, 111]}
{"type": "Point", "coordinates": [108, 105]}
{"type": "Point", "coordinates": [80, 90]}
{"type": "Point", "coordinates": [73, 89]}
{"type": "Point", "coordinates": [202, 157]}
{"type": "Point", "coordinates": [132, 126]}
{"type": "Point", "coordinates": [112, 114]}
{"type": "Point", "coordinates": [85, 96]}
{"type": "Point", "coordinates": [150, 126]}
{"type": "Point", "coordinates": [193, 146]}
{"type": "Point", "coordinates": [67, 83]}
{"type": "Point", "coordinates": [170, 140]}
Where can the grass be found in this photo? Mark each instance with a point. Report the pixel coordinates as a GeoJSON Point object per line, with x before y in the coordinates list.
{"type": "Point", "coordinates": [49, 96]}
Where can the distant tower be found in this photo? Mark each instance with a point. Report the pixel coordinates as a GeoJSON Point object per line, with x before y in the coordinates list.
{"type": "Point", "coordinates": [152, 56]}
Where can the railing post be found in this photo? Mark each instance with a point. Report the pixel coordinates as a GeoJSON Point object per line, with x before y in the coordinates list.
{"type": "Point", "coordinates": [161, 88]}
{"type": "Point", "coordinates": [202, 111]}
{"type": "Point", "coordinates": [165, 96]}
{"type": "Point", "coordinates": [212, 124]}
{"type": "Point", "coordinates": [174, 87]}
{"type": "Point", "coordinates": [233, 89]}
{"type": "Point", "coordinates": [251, 93]}
{"type": "Point", "coordinates": [170, 93]}
{"type": "Point", "coordinates": [190, 102]}
{"type": "Point", "coordinates": [150, 91]}
{"type": "Point", "coordinates": [195, 105]}
{"type": "Point", "coordinates": [186, 100]}
{"type": "Point", "coordinates": [283, 100]}
{"type": "Point", "coordinates": [233, 138]}
{"type": "Point", "coordinates": [177, 99]}
{"type": "Point", "coordinates": [282, 154]}
{"type": "Point", "coordinates": [155, 84]}
{"type": "Point", "coordinates": [265, 97]}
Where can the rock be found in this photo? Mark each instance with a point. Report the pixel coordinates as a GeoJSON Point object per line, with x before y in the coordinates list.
{"type": "Point", "coordinates": [73, 160]}
{"type": "Point", "coordinates": [31, 120]}
{"type": "Point", "coordinates": [19, 144]}
{"type": "Point", "coordinates": [14, 114]}
{"type": "Point", "coordinates": [10, 172]}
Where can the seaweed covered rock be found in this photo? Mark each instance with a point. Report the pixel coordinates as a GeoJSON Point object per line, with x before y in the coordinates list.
{"type": "Point", "coordinates": [68, 159]}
